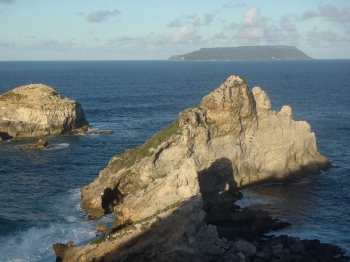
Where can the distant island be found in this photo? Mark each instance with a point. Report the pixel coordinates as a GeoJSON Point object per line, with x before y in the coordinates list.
{"type": "Point", "coordinates": [243, 53]}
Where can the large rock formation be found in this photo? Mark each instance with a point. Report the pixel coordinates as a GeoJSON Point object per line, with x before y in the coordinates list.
{"type": "Point", "coordinates": [38, 110]}
{"type": "Point", "coordinates": [232, 139]}
{"type": "Point", "coordinates": [167, 192]}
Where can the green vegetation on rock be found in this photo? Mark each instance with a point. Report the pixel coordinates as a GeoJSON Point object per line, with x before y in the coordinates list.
{"type": "Point", "coordinates": [243, 78]}
{"type": "Point", "coordinates": [132, 156]}
{"type": "Point", "coordinates": [241, 53]}
{"type": "Point", "coordinates": [12, 97]}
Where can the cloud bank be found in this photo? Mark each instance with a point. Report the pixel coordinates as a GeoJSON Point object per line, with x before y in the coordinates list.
{"type": "Point", "coordinates": [99, 16]}
{"type": "Point", "coordinates": [329, 12]}
{"type": "Point", "coordinates": [7, 1]}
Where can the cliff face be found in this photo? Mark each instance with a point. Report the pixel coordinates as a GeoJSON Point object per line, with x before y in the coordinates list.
{"type": "Point", "coordinates": [232, 139]}
{"type": "Point", "coordinates": [38, 110]}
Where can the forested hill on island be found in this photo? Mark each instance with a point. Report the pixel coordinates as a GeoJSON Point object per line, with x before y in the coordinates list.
{"type": "Point", "coordinates": [274, 52]}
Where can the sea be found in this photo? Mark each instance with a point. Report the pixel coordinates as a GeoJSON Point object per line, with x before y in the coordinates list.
{"type": "Point", "coordinates": [40, 190]}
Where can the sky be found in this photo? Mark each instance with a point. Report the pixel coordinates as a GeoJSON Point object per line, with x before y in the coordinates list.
{"type": "Point", "coordinates": [157, 29]}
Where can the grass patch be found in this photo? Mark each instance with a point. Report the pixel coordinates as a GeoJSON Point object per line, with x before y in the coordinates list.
{"type": "Point", "coordinates": [144, 188]}
{"type": "Point", "coordinates": [243, 78]}
{"type": "Point", "coordinates": [98, 241]}
{"type": "Point", "coordinates": [12, 97]}
{"type": "Point", "coordinates": [163, 176]}
{"type": "Point", "coordinates": [132, 156]}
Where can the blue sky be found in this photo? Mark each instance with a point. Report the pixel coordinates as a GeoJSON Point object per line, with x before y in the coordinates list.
{"type": "Point", "coordinates": [154, 29]}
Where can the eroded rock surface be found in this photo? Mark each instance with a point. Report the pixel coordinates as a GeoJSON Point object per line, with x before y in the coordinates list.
{"type": "Point", "coordinates": [232, 139]}
{"type": "Point", "coordinates": [174, 196]}
{"type": "Point", "coordinates": [38, 110]}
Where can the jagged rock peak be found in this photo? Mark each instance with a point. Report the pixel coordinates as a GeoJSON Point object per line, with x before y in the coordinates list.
{"type": "Point", "coordinates": [38, 110]}
{"type": "Point", "coordinates": [192, 168]}
{"type": "Point", "coordinates": [232, 139]}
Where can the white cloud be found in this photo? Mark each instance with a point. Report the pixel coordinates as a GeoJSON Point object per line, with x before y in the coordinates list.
{"type": "Point", "coordinates": [236, 5]}
{"type": "Point", "coordinates": [54, 45]}
{"type": "Point", "coordinates": [48, 42]}
{"type": "Point", "coordinates": [318, 38]}
{"type": "Point", "coordinates": [182, 35]}
{"type": "Point", "coordinates": [7, 1]}
{"type": "Point", "coordinates": [175, 23]}
{"type": "Point", "coordinates": [330, 13]}
{"type": "Point", "coordinates": [99, 16]}
{"type": "Point", "coordinates": [232, 26]}
{"type": "Point", "coordinates": [208, 19]}
{"type": "Point", "coordinates": [7, 45]}
{"type": "Point", "coordinates": [251, 14]}
{"type": "Point", "coordinates": [220, 35]}
{"type": "Point", "coordinates": [256, 30]}
{"type": "Point", "coordinates": [287, 25]}
{"type": "Point", "coordinates": [251, 32]}
{"type": "Point", "coordinates": [194, 20]}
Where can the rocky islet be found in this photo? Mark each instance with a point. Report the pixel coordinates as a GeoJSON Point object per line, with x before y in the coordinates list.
{"type": "Point", "coordinates": [174, 197]}
{"type": "Point", "coordinates": [38, 110]}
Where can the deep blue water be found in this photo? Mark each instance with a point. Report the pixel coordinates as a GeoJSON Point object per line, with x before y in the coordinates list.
{"type": "Point", "coordinates": [39, 191]}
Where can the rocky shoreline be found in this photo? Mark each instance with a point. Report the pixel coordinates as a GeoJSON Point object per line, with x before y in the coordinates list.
{"type": "Point", "coordinates": [228, 234]}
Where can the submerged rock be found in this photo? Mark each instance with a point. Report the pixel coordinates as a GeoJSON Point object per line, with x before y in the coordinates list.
{"type": "Point", "coordinates": [38, 110]}
{"type": "Point", "coordinates": [100, 132]}
{"type": "Point", "coordinates": [42, 144]}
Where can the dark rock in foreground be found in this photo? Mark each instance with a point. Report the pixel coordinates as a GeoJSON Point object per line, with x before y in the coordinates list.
{"type": "Point", "coordinates": [4, 136]}
{"type": "Point", "coordinates": [179, 233]}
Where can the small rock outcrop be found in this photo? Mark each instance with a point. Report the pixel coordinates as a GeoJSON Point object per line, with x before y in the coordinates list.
{"type": "Point", "coordinates": [100, 132]}
{"type": "Point", "coordinates": [42, 144]}
{"type": "Point", "coordinates": [174, 196]}
{"type": "Point", "coordinates": [38, 110]}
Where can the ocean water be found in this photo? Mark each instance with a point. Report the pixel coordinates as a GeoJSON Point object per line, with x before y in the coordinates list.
{"type": "Point", "coordinates": [39, 191]}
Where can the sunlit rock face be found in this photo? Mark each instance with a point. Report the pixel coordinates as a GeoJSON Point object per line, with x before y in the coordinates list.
{"type": "Point", "coordinates": [38, 110]}
{"type": "Point", "coordinates": [231, 139]}
{"type": "Point", "coordinates": [167, 192]}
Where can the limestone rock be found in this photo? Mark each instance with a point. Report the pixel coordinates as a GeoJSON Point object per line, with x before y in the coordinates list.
{"type": "Point", "coordinates": [161, 191]}
{"type": "Point", "coordinates": [38, 110]}
{"type": "Point", "coordinates": [231, 139]}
